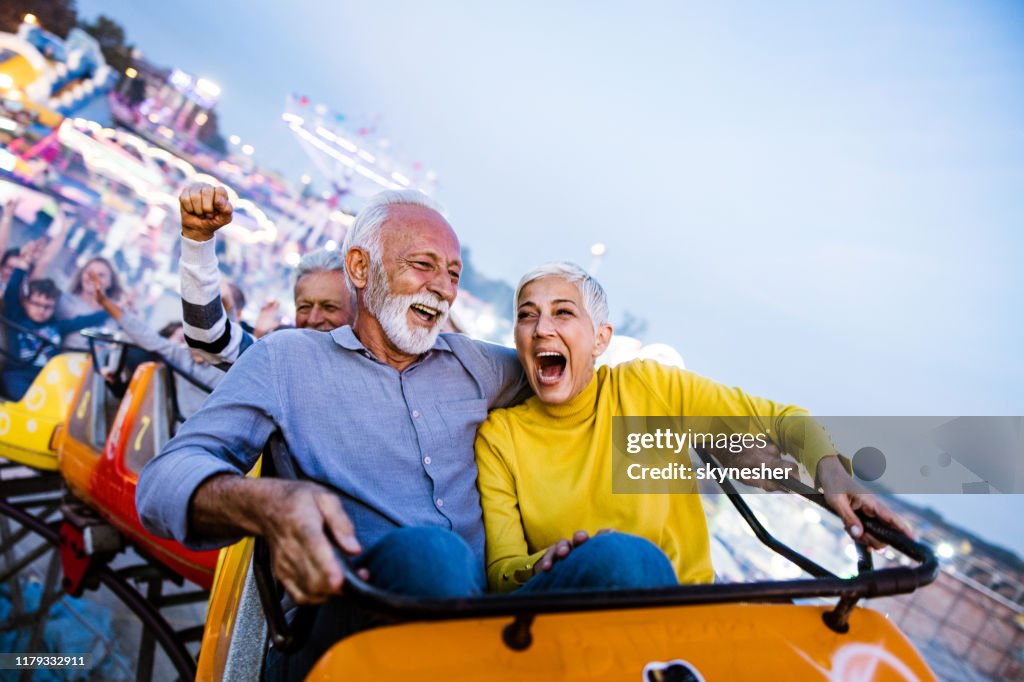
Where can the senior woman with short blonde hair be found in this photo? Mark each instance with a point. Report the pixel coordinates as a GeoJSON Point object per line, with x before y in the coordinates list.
{"type": "Point", "coordinates": [545, 467]}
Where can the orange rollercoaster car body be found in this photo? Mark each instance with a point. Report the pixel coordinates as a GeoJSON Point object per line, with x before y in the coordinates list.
{"type": "Point", "coordinates": [716, 642]}
{"type": "Point", "coordinates": [776, 630]}
{"type": "Point", "coordinates": [101, 468]}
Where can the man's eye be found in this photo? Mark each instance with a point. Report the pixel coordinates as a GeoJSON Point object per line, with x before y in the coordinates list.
{"type": "Point", "coordinates": [564, 312]}
{"type": "Point", "coordinates": [455, 275]}
{"type": "Point", "coordinates": [522, 315]}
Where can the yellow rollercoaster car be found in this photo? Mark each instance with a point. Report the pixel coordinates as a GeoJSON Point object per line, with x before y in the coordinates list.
{"type": "Point", "coordinates": [28, 425]}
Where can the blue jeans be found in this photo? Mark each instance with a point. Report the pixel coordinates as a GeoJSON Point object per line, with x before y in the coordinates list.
{"type": "Point", "coordinates": [425, 562]}
{"type": "Point", "coordinates": [607, 562]}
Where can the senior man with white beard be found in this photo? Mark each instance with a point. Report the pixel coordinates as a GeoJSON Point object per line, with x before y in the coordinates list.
{"type": "Point", "coordinates": [379, 417]}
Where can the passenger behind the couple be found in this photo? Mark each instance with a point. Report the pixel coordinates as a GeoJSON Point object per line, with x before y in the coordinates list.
{"type": "Point", "coordinates": [34, 334]}
{"type": "Point", "coordinates": [545, 467]}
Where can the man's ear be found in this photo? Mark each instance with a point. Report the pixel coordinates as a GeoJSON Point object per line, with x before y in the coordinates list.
{"type": "Point", "coordinates": [357, 265]}
{"type": "Point", "coordinates": [603, 337]}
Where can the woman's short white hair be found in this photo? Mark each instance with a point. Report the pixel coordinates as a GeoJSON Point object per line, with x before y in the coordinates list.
{"type": "Point", "coordinates": [365, 231]}
{"type": "Point", "coordinates": [595, 301]}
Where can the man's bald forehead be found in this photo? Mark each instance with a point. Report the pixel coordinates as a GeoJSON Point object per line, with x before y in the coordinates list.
{"type": "Point", "coordinates": [412, 220]}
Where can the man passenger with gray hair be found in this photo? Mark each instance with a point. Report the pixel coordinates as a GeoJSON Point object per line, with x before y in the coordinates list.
{"type": "Point", "coordinates": [379, 416]}
{"type": "Point", "coordinates": [323, 300]}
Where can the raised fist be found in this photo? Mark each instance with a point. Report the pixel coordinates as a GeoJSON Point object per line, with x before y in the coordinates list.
{"type": "Point", "coordinates": [204, 210]}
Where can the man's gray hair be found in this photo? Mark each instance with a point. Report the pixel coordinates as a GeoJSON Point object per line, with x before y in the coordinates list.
{"type": "Point", "coordinates": [320, 260]}
{"type": "Point", "coordinates": [365, 231]}
{"type": "Point", "coordinates": [595, 301]}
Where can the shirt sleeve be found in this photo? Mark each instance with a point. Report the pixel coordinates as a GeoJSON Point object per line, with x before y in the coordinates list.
{"type": "Point", "coordinates": [510, 385]}
{"type": "Point", "coordinates": [226, 436]}
{"type": "Point", "coordinates": [509, 563]}
{"type": "Point", "coordinates": [207, 327]}
{"type": "Point", "coordinates": [12, 300]}
{"type": "Point", "coordinates": [143, 336]}
{"type": "Point", "coordinates": [81, 322]}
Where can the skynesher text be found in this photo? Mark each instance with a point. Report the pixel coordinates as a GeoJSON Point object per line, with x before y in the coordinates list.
{"type": "Point", "coordinates": [683, 472]}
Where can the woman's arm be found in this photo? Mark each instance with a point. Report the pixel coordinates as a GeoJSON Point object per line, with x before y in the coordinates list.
{"type": "Point", "coordinates": [794, 430]}
{"type": "Point", "coordinates": [509, 562]}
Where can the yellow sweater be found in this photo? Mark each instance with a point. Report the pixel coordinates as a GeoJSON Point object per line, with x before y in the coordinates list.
{"type": "Point", "coordinates": [546, 470]}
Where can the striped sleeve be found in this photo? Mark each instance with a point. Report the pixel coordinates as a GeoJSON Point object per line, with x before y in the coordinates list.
{"type": "Point", "coordinates": [207, 327]}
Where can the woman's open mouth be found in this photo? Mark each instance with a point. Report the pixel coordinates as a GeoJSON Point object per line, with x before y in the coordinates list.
{"type": "Point", "coordinates": [550, 367]}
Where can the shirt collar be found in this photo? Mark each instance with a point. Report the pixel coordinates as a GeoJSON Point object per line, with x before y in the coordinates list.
{"type": "Point", "coordinates": [346, 338]}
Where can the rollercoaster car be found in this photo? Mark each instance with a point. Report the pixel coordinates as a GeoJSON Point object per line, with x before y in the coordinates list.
{"type": "Point", "coordinates": [727, 631]}
{"type": "Point", "coordinates": [66, 533]}
{"type": "Point", "coordinates": [28, 424]}
{"type": "Point", "coordinates": [102, 467]}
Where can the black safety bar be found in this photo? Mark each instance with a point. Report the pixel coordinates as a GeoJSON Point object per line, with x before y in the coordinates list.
{"type": "Point", "coordinates": [95, 335]}
{"type": "Point", "coordinates": [106, 337]}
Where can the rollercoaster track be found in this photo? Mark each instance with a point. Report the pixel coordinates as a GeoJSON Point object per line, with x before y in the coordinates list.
{"type": "Point", "coordinates": [160, 629]}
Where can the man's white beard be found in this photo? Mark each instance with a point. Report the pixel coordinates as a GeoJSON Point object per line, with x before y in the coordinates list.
{"type": "Point", "coordinates": [392, 311]}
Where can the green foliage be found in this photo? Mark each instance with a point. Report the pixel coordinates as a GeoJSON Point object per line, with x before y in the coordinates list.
{"type": "Point", "coordinates": [110, 35]}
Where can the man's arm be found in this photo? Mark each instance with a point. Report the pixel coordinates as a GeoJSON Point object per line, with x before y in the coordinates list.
{"type": "Point", "coordinates": [224, 437]}
{"type": "Point", "coordinates": [194, 490]}
{"type": "Point", "coordinates": [204, 210]}
{"type": "Point", "coordinates": [292, 516]}
{"type": "Point", "coordinates": [503, 377]}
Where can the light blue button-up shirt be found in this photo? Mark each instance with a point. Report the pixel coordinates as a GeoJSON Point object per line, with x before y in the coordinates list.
{"type": "Point", "coordinates": [397, 446]}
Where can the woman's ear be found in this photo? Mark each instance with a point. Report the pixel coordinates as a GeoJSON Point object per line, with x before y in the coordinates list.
{"type": "Point", "coordinates": [357, 265]}
{"type": "Point", "coordinates": [602, 338]}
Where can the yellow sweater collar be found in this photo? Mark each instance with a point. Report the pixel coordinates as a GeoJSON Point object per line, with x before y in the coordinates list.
{"type": "Point", "coordinates": [579, 409]}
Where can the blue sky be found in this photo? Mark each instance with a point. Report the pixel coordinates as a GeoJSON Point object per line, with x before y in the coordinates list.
{"type": "Point", "coordinates": [819, 203]}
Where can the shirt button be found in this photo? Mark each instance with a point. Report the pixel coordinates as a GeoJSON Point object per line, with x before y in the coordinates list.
{"type": "Point", "coordinates": [426, 460]}
{"type": "Point", "coordinates": [440, 502]}
{"type": "Point", "coordinates": [415, 414]}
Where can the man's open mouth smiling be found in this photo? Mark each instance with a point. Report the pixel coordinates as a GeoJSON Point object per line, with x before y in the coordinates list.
{"type": "Point", "coordinates": [425, 312]}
